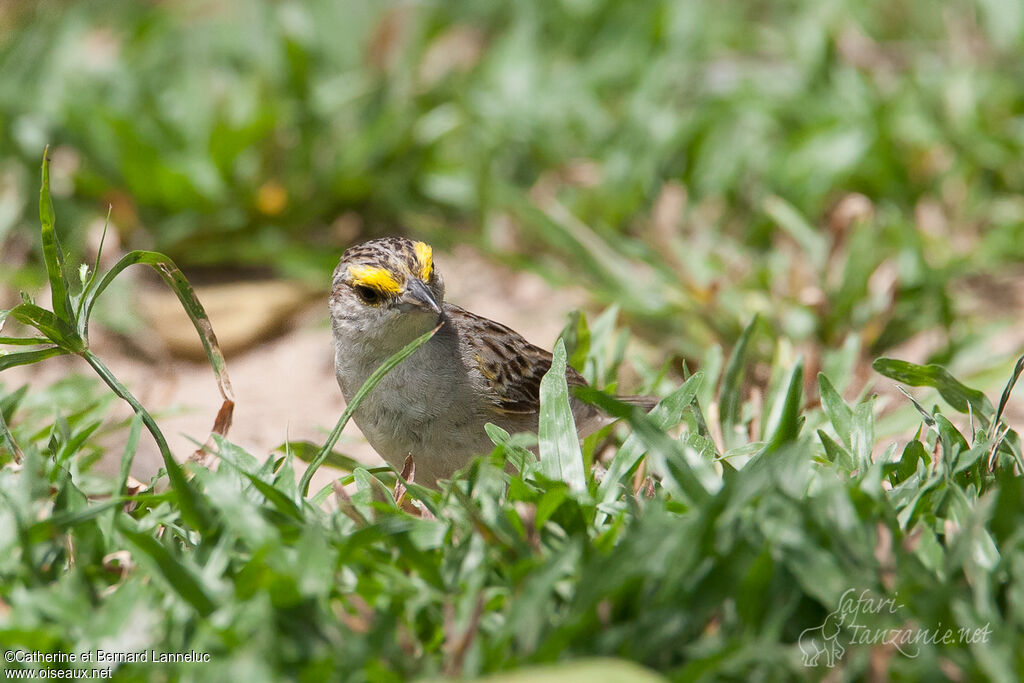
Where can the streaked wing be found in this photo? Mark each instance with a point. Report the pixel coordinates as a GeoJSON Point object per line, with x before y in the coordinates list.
{"type": "Point", "coordinates": [511, 366]}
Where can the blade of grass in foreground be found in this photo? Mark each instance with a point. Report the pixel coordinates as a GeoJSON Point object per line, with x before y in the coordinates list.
{"type": "Point", "coordinates": [952, 390]}
{"type": "Point", "coordinates": [307, 451]}
{"type": "Point", "coordinates": [174, 278]}
{"type": "Point", "coordinates": [1008, 389]}
{"type": "Point", "coordinates": [69, 334]}
{"type": "Point", "coordinates": [559, 445]}
{"type": "Point", "coordinates": [999, 436]}
{"type": "Point", "coordinates": [177, 575]}
{"type": "Point", "coordinates": [193, 509]}
{"type": "Point", "coordinates": [56, 329]}
{"type": "Point", "coordinates": [838, 413]}
{"type": "Point", "coordinates": [371, 382]}
{"type": "Point", "coordinates": [52, 256]}
{"type": "Point", "coordinates": [23, 341]}
{"type": "Point", "coordinates": [784, 421]}
{"type": "Point", "coordinates": [10, 360]}
{"type": "Point", "coordinates": [660, 446]}
{"type": "Point", "coordinates": [7, 439]}
{"type": "Point", "coordinates": [665, 415]}
{"type": "Point", "coordinates": [730, 399]}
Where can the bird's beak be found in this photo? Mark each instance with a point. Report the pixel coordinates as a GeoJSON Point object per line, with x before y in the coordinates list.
{"type": "Point", "coordinates": [417, 295]}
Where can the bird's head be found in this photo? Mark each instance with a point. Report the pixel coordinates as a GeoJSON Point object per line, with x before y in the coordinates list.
{"type": "Point", "coordinates": [387, 289]}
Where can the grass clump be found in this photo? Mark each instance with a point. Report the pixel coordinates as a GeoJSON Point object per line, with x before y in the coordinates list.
{"type": "Point", "coordinates": [713, 543]}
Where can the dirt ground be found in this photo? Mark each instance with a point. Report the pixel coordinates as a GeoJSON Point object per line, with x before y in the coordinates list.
{"type": "Point", "coordinates": [284, 384]}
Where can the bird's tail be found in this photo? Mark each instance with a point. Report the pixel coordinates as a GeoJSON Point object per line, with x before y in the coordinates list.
{"type": "Point", "coordinates": [645, 402]}
{"type": "Point", "coordinates": [590, 418]}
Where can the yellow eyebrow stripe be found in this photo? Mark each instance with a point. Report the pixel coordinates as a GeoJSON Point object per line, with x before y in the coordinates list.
{"type": "Point", "coordinates": [425, 258]}
{"type": "Point", "coordinates": [378, 278]}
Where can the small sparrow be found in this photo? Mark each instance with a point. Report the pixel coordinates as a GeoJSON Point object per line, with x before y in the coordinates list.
{"type": "Point", "coordinates": [433, 406]}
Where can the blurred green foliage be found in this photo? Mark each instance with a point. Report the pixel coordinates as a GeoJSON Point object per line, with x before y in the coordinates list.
{"type": "Point", "coordinates": [683, 159]}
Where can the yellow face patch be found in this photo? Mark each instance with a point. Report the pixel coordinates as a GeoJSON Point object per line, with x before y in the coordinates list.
{"type": "Point", "coordinates": [377, 278]}
{"type": "Point", "coordinates": [425, 259]}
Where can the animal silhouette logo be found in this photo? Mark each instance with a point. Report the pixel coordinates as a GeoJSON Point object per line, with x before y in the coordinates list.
{"type": "Point", "coordinates": [823, 640]}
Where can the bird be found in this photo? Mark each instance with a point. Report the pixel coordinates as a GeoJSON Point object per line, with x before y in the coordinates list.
{"type": "Point", "coordinates": [433, 406]}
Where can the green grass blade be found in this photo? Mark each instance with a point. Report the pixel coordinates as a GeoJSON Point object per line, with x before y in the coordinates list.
{"type": "Point", "coordinates": [787, 217]}
{"type": "Point", "coordinates": [955, 441]}
{"type": "Point", "coordinates": [576, 335]}
{"type": "Point", "coordinates": [23, 341]}
{"type": "Point", "coordinates": [237, 458]}
{"type": "Point", "coordinates": [134, 431]}
{"type": "Point", "coordinates": [730, 401]}
{"type": "Point", "coordinates": [839, 414]}
{"type": "Point", "coordinates": [67, 520]}
{"type": "Point", "coordinates": [372, 381]}
{"type": "Point", "coordinates": [10, 360]}
{"type": "Point", "coordinates": [665, 415]}
{"type": "Point", "coordinates": [658, 443]}
{"type": "Point", "coordinates": [698, 414]}
{"type": "Point", "coordinates": [52, 255]}
{"type": "Point", "coordinates": [173, 276]}
{"type": "Point", "coordinates": [836, 454]}
{"type": "Point", "coordinates": [9, 401]}
{"type": "Point", "coordinates": [7, 440]}
{"type": "Point", "coordinates": [862, 433]}
{"type": "Point", "coordinates": [559, 446]}
{"type": "Point", "coordinates": [951, 389]}
{"type": "Point", "coordinates": [192, 509]}
{"type": "Point", "coordinates": [307, 451]}
{"type": "Point", "coordinates": [51, 325]}
{"type": "Point", "coordinates": [179, 576]}
{"type": "Point", "coordinates": [276, 497]}
{"type": "Point", "coordinates": [1005, 398]}
{"type": "Point", "coordinates": [785, 421]}
{"type": "Point", "coordinates": [127, 457]}
{"type": "Point", "coordinates": [1009, 436]}
{"type": "Point", "coordinates": [88, 284]}
{"type": "Point", "coordinates": [523, 460]}
{"type": "Point", "coordinates": [928, 418]}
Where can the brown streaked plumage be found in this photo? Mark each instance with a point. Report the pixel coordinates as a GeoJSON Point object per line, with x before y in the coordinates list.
{"type": "Point", "coordinates": [512, 366]}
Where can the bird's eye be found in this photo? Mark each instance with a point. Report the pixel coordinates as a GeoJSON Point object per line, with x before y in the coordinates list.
{"type": "Point", "coordinates": [369, 295]}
